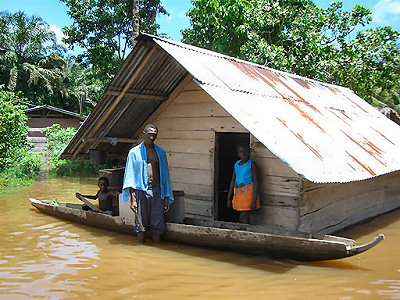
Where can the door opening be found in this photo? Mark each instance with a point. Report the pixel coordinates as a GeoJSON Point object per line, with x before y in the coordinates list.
{"type": "Point", "coordinates": [225, 157]}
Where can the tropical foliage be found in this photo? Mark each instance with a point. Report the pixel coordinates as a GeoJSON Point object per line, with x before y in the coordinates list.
{"type": "Point", "coordinates": [34, 65]}
{"type": "Point", "coordinates": [298, 37]}
{"type": "Point", "coordinates": [81, 88]}
{"type": "Point", "coordinates": [13, 128]}
{"type": "Point", "coordinates": [30, 59]}
{"type": "Point", "coordinates": [104, 29]}
{"type": "Point", "coordinates": [58, 138]}
{"type": "Point", "coordinates": [17, 165]}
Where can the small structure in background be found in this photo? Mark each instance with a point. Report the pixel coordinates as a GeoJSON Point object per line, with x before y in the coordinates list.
{"type": "Point", "coordinates": [43, 116]}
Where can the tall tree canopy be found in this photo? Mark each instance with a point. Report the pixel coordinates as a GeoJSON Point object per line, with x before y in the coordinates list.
{"type": "Point", "coordinates": [30, 59]}
{"type": "Point", "coordinates": [298, 37]}
{"type": "Point", "coordinates": [33, 64]}
{"type": "Point", "coordinates": [105, 27]}
{"type": "Point", "coordinates": [81, 87]}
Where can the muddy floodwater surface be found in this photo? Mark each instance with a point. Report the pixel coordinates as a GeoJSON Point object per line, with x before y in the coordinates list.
{"type": "Point", "coordinates": [42, 257]}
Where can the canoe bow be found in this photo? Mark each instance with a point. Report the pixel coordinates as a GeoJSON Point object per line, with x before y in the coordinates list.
{"type": "Point", "coordinates": [362, 248]}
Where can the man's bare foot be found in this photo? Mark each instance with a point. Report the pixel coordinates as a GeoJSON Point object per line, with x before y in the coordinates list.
{"type": "Point", "coordinates": [141, 237]}
{"type": "Point", "coordinates": [156, 238]}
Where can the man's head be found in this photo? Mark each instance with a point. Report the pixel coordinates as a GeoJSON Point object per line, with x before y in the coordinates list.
{"type": "Point", "coordinates": [150, 132]}
{"type": "Point", "coordinates": [103, 184]}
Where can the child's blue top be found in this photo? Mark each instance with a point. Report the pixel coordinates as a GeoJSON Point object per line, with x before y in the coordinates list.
{"type": "Point", "coordinates": [136, 172]}
{"type": "Point", "coordinates": [243, 173]}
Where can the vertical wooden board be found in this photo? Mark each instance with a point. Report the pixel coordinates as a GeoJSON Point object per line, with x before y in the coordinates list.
{"type": "Point", "coordinates": [286, 217]}
{"type": "Point", "coordinates": [186, 146]}
{"type": "Point", "coordinates": [212, 109]}
{"type": "Point", "coordinates": [192, 176]}
{"type": "Point", "coordinates": [194, 188]}
{"type": "Point", "coordinates": [198, 207]}
{"type": "Point", "coordinates": [190, 161]}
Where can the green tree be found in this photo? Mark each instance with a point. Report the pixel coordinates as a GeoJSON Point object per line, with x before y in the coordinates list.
{"type": "Point", "coordinates": [298, 37]}
{"type": "Point", "coordinates": [30, 59]}
{"type": "Point", "coordinates": [13, 128]}
{"type": "Point", "coordinates": [57, 139]}
{"type": "Point", "coordinates": [80, 87]}
{"type": "Point", "coordinates": [104, 28]}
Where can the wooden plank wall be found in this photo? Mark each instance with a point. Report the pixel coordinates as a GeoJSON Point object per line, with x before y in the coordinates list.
{"type": "Point", "coordinates": [187, 132]}
{"type": "Point", "coordinates": [280, 189]}
{"type": "Point", "coordinates": [330, 207]}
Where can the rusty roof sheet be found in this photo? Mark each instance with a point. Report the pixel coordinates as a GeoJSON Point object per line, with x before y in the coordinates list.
{"type": "Point", "coordinates": [326, 133]}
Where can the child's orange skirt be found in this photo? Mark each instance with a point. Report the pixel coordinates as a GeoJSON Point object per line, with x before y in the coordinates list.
{"type": "Point", "coordinates": [242, 198]}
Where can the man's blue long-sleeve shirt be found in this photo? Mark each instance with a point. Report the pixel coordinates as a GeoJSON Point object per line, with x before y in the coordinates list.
{"type": "Point", "coordinates": [136, 172]}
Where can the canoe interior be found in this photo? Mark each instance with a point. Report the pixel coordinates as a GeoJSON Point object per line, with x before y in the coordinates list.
{"type": "Point", "coordinates": [230, 236]}
{"type": "Point", "coordinates": [235, 226]}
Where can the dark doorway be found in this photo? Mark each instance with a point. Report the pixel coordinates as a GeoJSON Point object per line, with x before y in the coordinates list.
{"type": "Point", "coordinates": [225, 157]}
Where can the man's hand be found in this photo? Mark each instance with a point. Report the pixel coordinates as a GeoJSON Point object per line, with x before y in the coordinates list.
{"type": "Point", "coordinates": [134, 205]}
{"type": "Point", "coordinates": [166, 204]}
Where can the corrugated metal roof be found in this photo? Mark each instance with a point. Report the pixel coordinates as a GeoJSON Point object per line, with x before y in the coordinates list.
{"type": "Point", "coordinates": [324, 132]}
{"type": "Point", "coordinates": [157, 75]}
{"type": "Point", "coordinates": [52, 108]}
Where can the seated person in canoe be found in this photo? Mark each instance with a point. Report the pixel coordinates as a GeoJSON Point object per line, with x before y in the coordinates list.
{"type": "Point", "coordinates": [104, 195]}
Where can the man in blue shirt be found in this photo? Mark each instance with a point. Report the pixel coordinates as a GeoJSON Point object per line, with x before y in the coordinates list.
{"type": "Point", "coordinates": [148, 185]}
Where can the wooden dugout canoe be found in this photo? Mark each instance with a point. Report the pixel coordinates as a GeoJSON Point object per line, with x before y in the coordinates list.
{"type": "Point", "coordinates": [308, 249]}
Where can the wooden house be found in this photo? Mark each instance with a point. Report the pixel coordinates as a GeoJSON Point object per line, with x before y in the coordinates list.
{"type": "Point", "coordinates": [326, 158]}
{"type": "Point", "coordinates": [42, 116]}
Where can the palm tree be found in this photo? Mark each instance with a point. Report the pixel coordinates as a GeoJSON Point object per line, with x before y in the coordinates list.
{"type": "Point", "coordinates": [81, 86]}
{"type": "Point", "coordinates": [29, 54]}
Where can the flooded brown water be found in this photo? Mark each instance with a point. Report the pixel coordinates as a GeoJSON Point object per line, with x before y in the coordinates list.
{"type": "Point", "coordinates": [42, 257]}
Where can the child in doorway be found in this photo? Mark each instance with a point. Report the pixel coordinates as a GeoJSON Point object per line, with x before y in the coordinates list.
{"type": "Point", "coordinates": [244, 185]}
{"type": "Point", "coordinates": [104, 195]}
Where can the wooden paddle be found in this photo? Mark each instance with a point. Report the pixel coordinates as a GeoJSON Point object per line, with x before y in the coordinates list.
{"type": "Point", "coordinates": [88, 203]}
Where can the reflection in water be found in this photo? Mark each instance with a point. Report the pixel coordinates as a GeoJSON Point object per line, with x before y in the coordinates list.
{"type": "Point", "coordinates": [48, 258]}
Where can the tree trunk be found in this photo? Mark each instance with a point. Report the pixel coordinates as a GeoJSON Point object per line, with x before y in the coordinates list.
{"type": "Point", "coordinates": [135, 21]}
